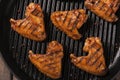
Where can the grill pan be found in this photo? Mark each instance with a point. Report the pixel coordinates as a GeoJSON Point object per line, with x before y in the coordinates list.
{"type": "Point", "coordinates": [14, 47]}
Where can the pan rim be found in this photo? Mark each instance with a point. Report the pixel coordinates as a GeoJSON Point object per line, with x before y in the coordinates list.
{"type": "Point", "coordinates": [8, 60]}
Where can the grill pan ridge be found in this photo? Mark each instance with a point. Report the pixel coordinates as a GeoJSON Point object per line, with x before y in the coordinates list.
{"type": "Point", "coordinates": [15, 48]}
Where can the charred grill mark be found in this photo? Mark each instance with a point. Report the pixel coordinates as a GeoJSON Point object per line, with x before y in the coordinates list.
{"type": "Point", "coordinates": [33, 12]}
{"type": "Point", "coordinates": [103, 5]}
{"type": "Point", "coordinates": [80, 60]}
{"type": "Point", "coordinates": [57, 20]}
{"type": "Point", "coordinates": [39, 14]}
{"type": "Point", "coordinates": [116, 3]}
{"type": "Point", "coordinates": [65, 17]}
{"type": "Point", "coordinates": [39, 57]}
{"type": "Point", "coordinates": [34, 29]}
{"type": "Point", "coordinates": [76, 21]}
{"type": "Point", "coordinates": [30, 27]}
{"type": "Point", "coordinates": [26, 25]}
{"type": "Point", "coordinates": [51, 67]}
{"type": "Point", "coordinates": [93, 45]}
{"type": "Point", "coordinates": [60, 18]}
{"type": "Point", "coordinates": [50, 59]}
{"type": "Point", "coordinates": [111, 6]}
{"type": "Point", "coordinates": [99, 65]}
{"type": "Point", "coordinates": [35, 35]}
{"type": "Point", "coordinates": [70, 19]}
{"type": "Point", "coordinates": [52, 63]}
{"type": "Point", "coordinates": [93, 55]}
{"type": "Point", "coordinates": [36, 12]}
{"type": "Point", "coordinates": [97, 50]}
{"type": "Point", "coordinates": [69, 22]}
{"type": "Point", "coordinates": [96, 60]}
{"type": "Point", "coordinates": [109, 11]}
{"type": "Point", "coordinates": [53, 52]}
{"type": "Point", "coordinates": [21, 23]}
{"type": "Point", "coordinates": [45, 60]}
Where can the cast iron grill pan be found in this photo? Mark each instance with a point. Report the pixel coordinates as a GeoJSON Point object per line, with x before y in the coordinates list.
{"type": "Point", "coordinates": [15, 47]}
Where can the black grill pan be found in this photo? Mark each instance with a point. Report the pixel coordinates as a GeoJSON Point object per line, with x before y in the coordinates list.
{"type": "Point", "coordinates": [14, 47]}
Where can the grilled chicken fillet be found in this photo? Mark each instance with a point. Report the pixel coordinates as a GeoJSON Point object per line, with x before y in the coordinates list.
{"type": "Point", "coordinates": [69, 21]}
{"type": "Point", "coordinates": [105, 9]}
{"type": "Point", "coordinates": [49, 63]}
{"type": "Point", "coordinates": [94, 62]}
{"type": "Point", "coordinates": [32, 26]}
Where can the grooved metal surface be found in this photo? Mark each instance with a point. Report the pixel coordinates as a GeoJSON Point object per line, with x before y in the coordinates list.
{"type": "Point", "coordinates": [95, 26]}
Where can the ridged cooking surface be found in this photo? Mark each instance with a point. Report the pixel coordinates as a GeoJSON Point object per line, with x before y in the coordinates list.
{"type": "Point", "coordinates": [95, 26]}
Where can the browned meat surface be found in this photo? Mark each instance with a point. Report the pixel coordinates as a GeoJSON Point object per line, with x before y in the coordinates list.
{"type": "Point", "coordinates": [49, 63]}
{"type": "Point", "coordinates": [32, 26]}
{"type": "Point", "coordinates": [69, 21]}
{"type": "Point", "coordinates": [94, 62]}
{"type": "Point", "coordinates": [105, 9]}
{"type": "Point", "coordinates": [35, 10]}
